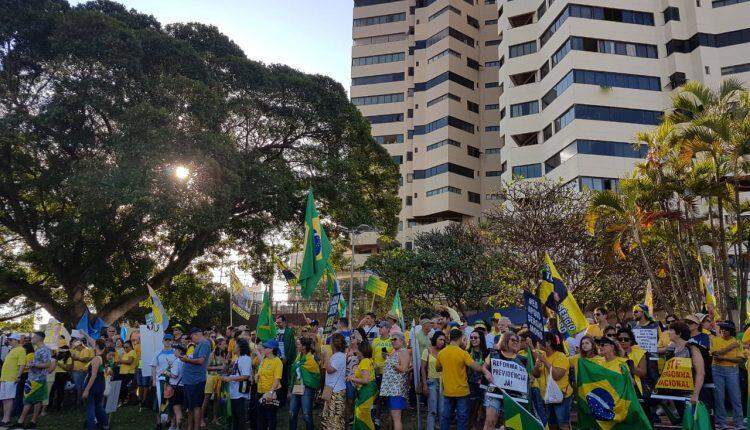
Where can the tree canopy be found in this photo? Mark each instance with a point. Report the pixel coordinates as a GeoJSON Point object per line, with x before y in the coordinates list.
{"type": "Point", "coordinates": [98, 107]}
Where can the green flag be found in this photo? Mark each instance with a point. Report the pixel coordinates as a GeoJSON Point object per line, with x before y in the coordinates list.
{"type": "Point", "coordinates": [333, 288]}
{"type": "Point", "coordinates": [609, 397]}
{"type": "Point", "coordinates": [517, 417]}
{"type": "Point", "coordinates": [317, 250]}
{"type": "Point", "coordinates": [529, 360]}
{"type": "Point", "coordinates": [397, 310]}
{"type": "Point", "coordinates": [376, 286]}
{"type": "Point", "coordinates": [266, 328]}
{"type": "Point", "coordinates": [696, 419]}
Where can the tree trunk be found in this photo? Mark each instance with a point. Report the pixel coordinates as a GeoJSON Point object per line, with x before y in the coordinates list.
{"type": "Point", "coordinates": [741, 285]}
{"type": "Point", "coordinates": [646, 264]}
{"type": "Point", "coordinates": [724, 257]}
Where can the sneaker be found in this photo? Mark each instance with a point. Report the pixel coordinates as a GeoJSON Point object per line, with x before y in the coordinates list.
{"type": "Point", "coordinates": [4, 426]}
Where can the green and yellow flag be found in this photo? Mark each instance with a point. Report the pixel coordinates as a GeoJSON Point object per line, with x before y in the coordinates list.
{"type": "Point", "coordinates": [317, 250]}
{"type": "Point", "coordinates": [266, 328]}
{"type": "Point", "coordinates": [554, 295]}
{"type": "Point", "coordinates": [289, 276]}
{"type": "Point", "coordinates": [306, 370]}
{"type": "Point", "coordinates": [398, 310]}
{"type": "Point", "coordinates": [517, 417]}
{"type": "Point", "coordinates": [376, 286]}
{"type": "Point", "coordinates": [609, 397]}
{"type": "Point", "coordinates": [363, 406]}
{"type": "Point", "coordinates": [333, 288]}
{"type": "Point", "coordinates": [697, 418]}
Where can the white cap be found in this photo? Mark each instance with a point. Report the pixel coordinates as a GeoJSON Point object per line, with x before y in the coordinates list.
{"type": "Point", "coordinates": [15, 336]}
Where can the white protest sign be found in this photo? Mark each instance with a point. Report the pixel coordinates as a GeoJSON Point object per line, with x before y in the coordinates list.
{"type": "Point", "coordinates": [113, 397]}
{"type": "Point", "coordinates": [151, 344]}
{"type": "Point", "coordinates": [52, 334]}
{"type": "Point", "coordinates": [647, 338]}
{"type": "Point", "coordinates": [509, 376]}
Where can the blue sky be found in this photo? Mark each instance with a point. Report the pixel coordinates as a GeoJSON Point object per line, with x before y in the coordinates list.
{"type": "Point", "coordinates": [314, 36]}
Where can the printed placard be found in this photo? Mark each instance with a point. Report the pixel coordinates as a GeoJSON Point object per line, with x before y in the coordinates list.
{"type": "Point", "coordinates": [534, 317]}
{"type": "Point", "coordinates": [509, 376]}
{"type": "Point", "coordinates": [677, 375]}
{"type": "Point", "coordinates": [647, 338]}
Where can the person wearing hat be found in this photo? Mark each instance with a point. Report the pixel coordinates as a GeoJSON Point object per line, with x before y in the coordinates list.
{"type": "Point", "coordinates": [727, 355]}
{"type": "Point", "coordinates": [11, 371]}
{"type": "Point", "coordinates": [642, 318]}
{"type": "Point", "coordinates": [81, 355]}
{"type": "Point", "coordinates": [194, 377]}
{"type": "Point", "coordinates": [381, 348]}
{"type": "Point", "coordinates": [165, 366]}
{"type": "Point", "coordinates": [268, 379]}
{"type": "Point", "coordinates": [423, 334]}
{"type": "Point", "coordinates": [610, 355]}
{"type": "Point", "coordinates": [697, 336]}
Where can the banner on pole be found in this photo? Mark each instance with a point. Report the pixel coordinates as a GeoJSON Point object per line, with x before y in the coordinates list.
{"type": "Point", "coordinates": [52, 335]}
{"type": "Point", "coordinates": [677, 375]}
{"type": "Point", "coordinates": [647, 338]}
{"type": "Point", "coordinates": [151, 344]}
{"type": "Point", "coordinates": [333, 313]}
{"type": "Point", "coordinates": [534, 317]}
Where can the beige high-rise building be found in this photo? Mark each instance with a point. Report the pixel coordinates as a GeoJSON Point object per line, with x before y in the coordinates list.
{"type": "Point", "coordinates": [466, 93]}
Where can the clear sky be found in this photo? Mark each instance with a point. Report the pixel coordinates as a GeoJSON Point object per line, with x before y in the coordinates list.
{"type": "Point", "coordinates": [314, 36]}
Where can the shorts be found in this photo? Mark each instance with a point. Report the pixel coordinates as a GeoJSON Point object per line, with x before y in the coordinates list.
{"type": "Point", "coordinates": [492, 402]}
{"type": "Point", "coordinates": [141, 380]}
{"type": "Point", "coordinates": [559, 413]}
{"type": "Point", "coordinates": [213, 384]}
{"type": "Point", "coordinates": [34, 392]}
{"type": "Point", "coordinates": [7, 390]}
{"type": "Point", "coordinates": [193, 395]}
{"type": "Point", "coordinates": [397, 403]}
{"type": "Point", "coordinates": [178, 399]}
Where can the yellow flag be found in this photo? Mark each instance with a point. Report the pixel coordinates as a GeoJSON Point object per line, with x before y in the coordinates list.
{"type": "Point", "coordinates": [554, 294]}
{"type": "Point", "coordinates": [649, 299]}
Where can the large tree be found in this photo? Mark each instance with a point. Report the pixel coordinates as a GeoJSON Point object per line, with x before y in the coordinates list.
{"type": "Point", "coordinates": [98, 107]}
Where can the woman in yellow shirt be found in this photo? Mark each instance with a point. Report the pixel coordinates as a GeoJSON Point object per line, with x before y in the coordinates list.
{"type": "Point", "coordinates": [431, 379]}
{"type": "Point", "coordinates": [727, 354]}
{"type": "Point", "coordinates": [364, 379]}
{"type": "Point", "coordinates": [269, 380]}
{"type": "Point", "coordinates": [128, 362]}
{"type": "Point", "coordinates": [553, 361]}
{"type": "Point", "coordinates": [636, 355]}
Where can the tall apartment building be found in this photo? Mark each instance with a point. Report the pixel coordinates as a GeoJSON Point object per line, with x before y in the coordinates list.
{"type": "Point", "coordinates": [466, 93]}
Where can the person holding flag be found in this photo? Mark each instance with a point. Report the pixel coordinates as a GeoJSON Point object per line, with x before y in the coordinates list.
{"type": "Point", "coordinates": [367, 390]}
{"type": "Point", "coordinates": [305, 374]}
{"type": "Point", "coordinates": [553, 362]}
{"type": "Point", "coordinates": [510, 345]}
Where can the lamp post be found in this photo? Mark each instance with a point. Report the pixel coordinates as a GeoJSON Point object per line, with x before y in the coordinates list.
{"type": "Point", "coordinates": [353, 232]}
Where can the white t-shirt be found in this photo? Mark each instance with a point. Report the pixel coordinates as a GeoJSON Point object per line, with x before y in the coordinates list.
{"type": "Point", "coordinates": [242, 367]}
{"type": "Point", "coordinates": [176, 370]}
{"type": "Point", "coordinates": [166, 360]}
{"type": "Point", "coordinates": [337, 379]}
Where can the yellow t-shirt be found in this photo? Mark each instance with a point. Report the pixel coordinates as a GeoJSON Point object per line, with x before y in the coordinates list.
{"type": "Point", "coordinates": [636, 355]}
{"type": "Point", "coordinates": [365, 365]}
{"type": "Point", "coordinates": [29, 359]}
{"type": "Point", "coordinates": [129, 369]}
{"type": "Point", "coordinates": [13, 361]}
{"type": "Point", "coordinates": [595, 331]}
{"type": "Point", "coordinates": [613, 365]}
{"type": "Point", "coordinates": [431, 360]}
{"type": "Point", "coordinates": [557, 359]}
{"type": "Point", "coordinates": [454, 361]}
{"type": "Point", "coordinates": [377, 352]}
{"type": "Point", "coordinates": [60, 363]}
{"type": "Point", "coordinates": [83, 353]}
{"type": "Point", "coordinates": [717, 343]}
{"type": "Point", "coordinates": [270, 370]}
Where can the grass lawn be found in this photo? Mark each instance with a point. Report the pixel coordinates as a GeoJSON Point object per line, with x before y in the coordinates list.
{"type": "Point", "coordinates": [129, 418]}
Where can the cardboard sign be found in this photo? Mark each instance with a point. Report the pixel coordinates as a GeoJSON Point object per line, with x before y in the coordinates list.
{"type": "Point", "coordinates": [647, 338]}
{"type": "Point", "coordinates": [677, 375]}
{"type": "Point", "coordinates": [151, 344]}
{"type": "Point", "coordinates": [534, 317]}
{"type": "Point", "coordinates": [509, 376]}
{"type": "Point", "coordinates": [332, 314]}
{"type": "Point", "coordinates": [52, 335]}
{"type": "Point", "coordinates": [113, 397]}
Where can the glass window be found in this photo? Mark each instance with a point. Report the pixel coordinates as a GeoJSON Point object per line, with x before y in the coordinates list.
{"type": "Point", "coordinates": [528, 171]}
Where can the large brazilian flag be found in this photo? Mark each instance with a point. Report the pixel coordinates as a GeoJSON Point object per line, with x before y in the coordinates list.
{"type": "Point", "coordinates": [317, 250]}
{"type": "Point", "coordinates": [609, 397]}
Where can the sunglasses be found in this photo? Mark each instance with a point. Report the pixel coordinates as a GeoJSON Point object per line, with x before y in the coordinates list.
{"type": "Point", "coordinates": [623, 339]}
{"type": "Point", "coordinates": [596, 314]}
{"type": "Point", "coordinates": [670, 321]}
{"type": "Point", "coordinates": [474, 338]}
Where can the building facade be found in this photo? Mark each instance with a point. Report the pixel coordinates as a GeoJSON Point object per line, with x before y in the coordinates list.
{"type": "Point", "coordinates": [466, 93]}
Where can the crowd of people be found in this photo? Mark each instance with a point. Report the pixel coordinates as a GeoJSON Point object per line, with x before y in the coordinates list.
{"type": "Point", "coordinates": [365, 375]}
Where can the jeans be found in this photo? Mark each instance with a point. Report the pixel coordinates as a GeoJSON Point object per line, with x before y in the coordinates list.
{"type": "Point", "coordinates": [727, 381]}
{"type": "Point", "coordinates": [95, 415]}
{"type": "Point", "coordinates": [434, 403]}
{"type": "Point", "coordinates": [305, 403]}
{"type": "Point", "coordinates": [461, 405]}
{"type": "Point", "coordinates": [239, 409]}
{"type": "Point", "coordinates": [267, 416]}
{"type": "Point", "coordinates": [538, 405]}
{"type": "Point", "coordinates": [78, 378]}
{"type": "Point", "coordinates": [57, 392]}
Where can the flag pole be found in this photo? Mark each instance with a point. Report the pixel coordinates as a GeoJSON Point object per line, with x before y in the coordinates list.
{"type": "Point", "coordinates": [372, 303]}
{"type": "Point", "coordinates": [351, 281]}
{"type": "Point", "coordinates": [415, 359]}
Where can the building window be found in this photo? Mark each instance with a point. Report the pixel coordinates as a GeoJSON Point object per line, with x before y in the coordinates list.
{"type": "Point", "coordinates": [441, 190]}
{"type": "Point", "coordinates": [603, 79]}
{"type": "Point", "coordinates": [522, 49]}
{"type": "Point", "coordinates": [491, 84]}
{"type": "Point", "coordinates": [492, 128]}
{"type": "Point", "coordinates": [442, 143]}
{"type": "Point", "coordinates": [443, 97]}
{"type": "Point", "coordinates": [598, 184]}
{"type": "Point", "coordinates": [528, 171]}
{"type": "Point", "coordinates": [380, 19]}
{"type": "Point", "coordinates": [442, 122]}
{"type": "Point", "coordinates": [494, 106]}
{"type": "Point", "coordinates": [473, 197]}
{"type": "Point", "coordinates": [443, 54]}
{"type": "Point", "coordinates": [381, 119]}
{"type": "Point", "coordinates": [492, 151]}
{"type": "Point", "coordinates": [493, 42]}
{"type": "Point", "coordinates": [445, 76]}
{"type": "Point", "coordinates": [473, 151]}
{"type": "Point", "coordinates": [597, 13]}
{"type": "Point", "coordinates": [378, 59]}
{"type": "Point", "coordinates": [398, 159]}
{"type": "Point", "coordinates": [496, 63]}
{"type": "Point", "coordinates": [523, 109]}
{"type": "Point", "coordinates": [444, 168]}
{"type": "Point", "coordinates": [442, 11]}
{"type": "Point", "coordinates": [718, 40]}
{"type": "Point", "coordinates": [490, 21]}
{"type": "Point", "coordinates": [383, 38]}
{"type": "Point", "coordinates": [738, 68]}
{"type": "Point", "coordinates": [493, 173]}
{"type": "Point", "coordinates": [378, 79]}
{"type": "Point", "coordinates": [378, 99]}
{"type": "Point", "coordinates": [359, 3]}
{"type": "Point", "coordinates": [408, 200]}
{"type": "Point", "coordinates": [473, 107]}
{"type": "Point", "coordinates": [472, 21]}
{"type": "Point", "coordinates": [389, 139]}
{"type": "Point", "coordinates": [472, 63]}
{"type": "Point", "coordinates": [722, 3]}
{"type": "Point", "coordinates": [671, 13]}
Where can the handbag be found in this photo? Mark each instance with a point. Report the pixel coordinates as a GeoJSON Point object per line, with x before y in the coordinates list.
{"type": "Point", "coordinates": [552, 395]}
{"type": "Point", "coordinates": [327, 393]}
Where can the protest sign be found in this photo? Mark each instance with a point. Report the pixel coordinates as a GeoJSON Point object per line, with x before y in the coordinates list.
{"type": "Point", "coordinates": [534, 317]}
{"type": "Point", "coordinates": [647, 338]}
{"type": "Point", "coordinates": [677, 375]}
{"type": "Point", "coordinates": [113, 397]}
{"type": "Point", "coordinates": [509, 376]}
{"type": "Point", "coordinates": [332, 314]}
{"type": "Point", "coordinates": [151, 343]}
{"type": "Point", "coordinates": [52, 335]}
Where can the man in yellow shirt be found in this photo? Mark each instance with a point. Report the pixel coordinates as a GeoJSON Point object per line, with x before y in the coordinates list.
{"type": "Point", "coordinates": [452, 362]}
{"type": "Point", "coordinates": [11, 371]}
{"type": "Point", "coordinates": [381, 346]}
{"type": "Point", "coordinates": [601, 322]}
{"type": "Point", "coordinates": [268, 378]}
{"type": "Point", "coordinates": [81, 356]}
{"type": "Point", "coordinates": [727, 354]}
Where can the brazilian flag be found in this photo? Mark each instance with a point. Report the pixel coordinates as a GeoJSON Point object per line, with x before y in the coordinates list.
{"type": "Point", "coordinates": [518, 418]}
{"type": "Point", "coordinates": [317, 250]}
{"type": "Point", "coordinates": [306, 370]}
{"type": "Point", "coordinates": [609, 397]}
{"type": "Point", "coordinates": [266, 328]}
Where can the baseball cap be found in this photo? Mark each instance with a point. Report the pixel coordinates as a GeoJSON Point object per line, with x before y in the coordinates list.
{"type": "Point", "coordinates": [15, 336]}
{"type": "Point", "coordinates": [696, 318]}
{"type": "Point", "coordinates": [384, 324]}
{"type": "Point", "coordinates": [168, 337]}
{"type": "Point", "coordinates": [178, 327]}
{"type": "Point", "coordinates": [194, 330]}
{"type": "Point", "coordinates": [271, 343]}
{"type": "Point", "coordinates": [496, 316]}
{"type": "Point", "coordinates": [727, 325]}
{"type": "Point", "coordinates": [481, 324]}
